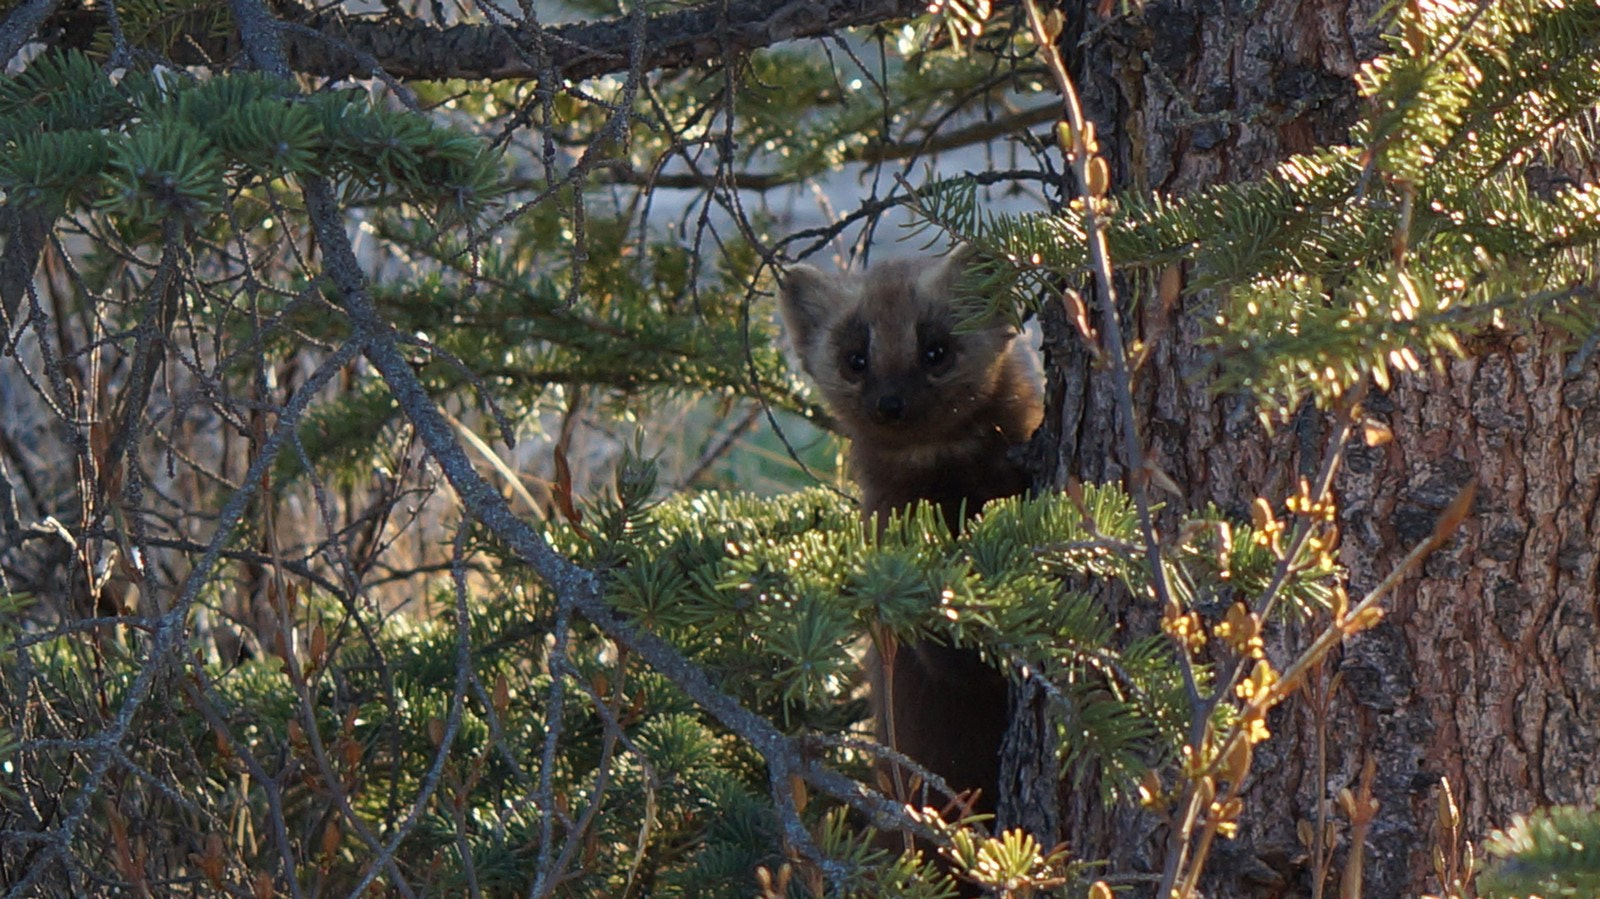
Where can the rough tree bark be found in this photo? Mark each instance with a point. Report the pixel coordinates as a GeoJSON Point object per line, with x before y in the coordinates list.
{"type": "Point", "coordinates": [1486, 670]}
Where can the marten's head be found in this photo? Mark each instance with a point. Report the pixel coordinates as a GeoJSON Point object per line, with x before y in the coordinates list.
{"type": "Point", "coordinates": [885, 351]}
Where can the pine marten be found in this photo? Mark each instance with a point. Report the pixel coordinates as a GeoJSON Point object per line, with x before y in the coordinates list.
{"type": "Point", "coordinates": [931, 415]}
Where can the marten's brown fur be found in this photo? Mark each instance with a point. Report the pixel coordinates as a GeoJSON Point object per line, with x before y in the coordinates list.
{"type": "Point", "coordinates": [931, 414]}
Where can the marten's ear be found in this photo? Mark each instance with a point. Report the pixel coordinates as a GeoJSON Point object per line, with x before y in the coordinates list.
{"type": "Point", "coordinates": [943, 274]}
{"type": "Point", "coordinates": [806, 303]}
{"type": "Point", "coordinates": [939, 279]}
{"type": "Point", "coordinates": [962, 277]}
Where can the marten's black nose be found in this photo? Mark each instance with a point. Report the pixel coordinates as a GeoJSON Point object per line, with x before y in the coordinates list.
{"type": "Point", "coordinates": [891, 408]}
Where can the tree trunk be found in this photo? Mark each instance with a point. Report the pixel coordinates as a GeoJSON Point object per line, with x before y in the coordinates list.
{"type": "Point", "coordinates": [1486, 670]}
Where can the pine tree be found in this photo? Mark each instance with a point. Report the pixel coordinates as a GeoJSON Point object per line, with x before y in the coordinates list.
{"type": "Point", "coordinates": [369, 351]}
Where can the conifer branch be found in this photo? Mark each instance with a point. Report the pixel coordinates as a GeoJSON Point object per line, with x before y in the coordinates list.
{"type": "Point", "coordinates": [576, 588]}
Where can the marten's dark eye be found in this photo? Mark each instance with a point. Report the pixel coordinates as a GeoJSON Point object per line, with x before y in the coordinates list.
{"type": "Point", "coordinates": [856, 362]}
{"type": "Point", "coordinates": [934, 353]}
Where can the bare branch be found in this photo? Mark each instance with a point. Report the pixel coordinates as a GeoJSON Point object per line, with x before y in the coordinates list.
{"type": "Point", "coordinates": [170, 628]}
{"type": "Point", "coordinates": [340, 46]}
{"type": "Point", "coordinates": [21, 25]}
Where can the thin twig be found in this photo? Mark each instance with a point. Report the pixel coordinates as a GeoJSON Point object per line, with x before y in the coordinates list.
{"type": "Point", "coordinates": [170, 627]}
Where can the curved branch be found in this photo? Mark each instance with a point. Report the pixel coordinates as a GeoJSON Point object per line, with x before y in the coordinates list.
{"type": "Point", "coordinates": [20, 25]}
{"type": "Point", "coordinates": [334, 45]}
{"type": "Point", "coordinates": [584, 49]}
{"type": "Point", "coordinates": [976, 133]}
{"type": "Point", "coordinates": [576, 588]}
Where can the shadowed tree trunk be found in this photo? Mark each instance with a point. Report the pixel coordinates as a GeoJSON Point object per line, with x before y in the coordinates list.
{"type": "Point", "coordinates": [1486, 669]}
